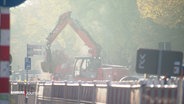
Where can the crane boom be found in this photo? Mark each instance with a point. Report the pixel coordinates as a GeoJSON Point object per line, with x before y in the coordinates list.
{"type": "Point", "coordinates": [65, 19]}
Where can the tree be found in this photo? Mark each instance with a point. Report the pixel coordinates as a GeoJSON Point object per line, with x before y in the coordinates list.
{"type": "Point", "coordinates": [31, 22]}
{"type": "Point", "coordinates": [164, 12]}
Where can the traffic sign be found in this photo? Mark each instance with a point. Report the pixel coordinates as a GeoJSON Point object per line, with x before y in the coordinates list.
{"type": "Point", "coordinates": [172, 63]}
{"type": "Point", "coordinates": [10, 3]}
{"type": "Point", "coordinates": [27, 63]}
{"type": "Point", "coordinates": [29, 51]}
{"type": "Point", "coordinates": [147, 61]}
{"type": "Point", "coordinates": [159, 62]}
{"type": "Point", "coordinates": [34, 50]}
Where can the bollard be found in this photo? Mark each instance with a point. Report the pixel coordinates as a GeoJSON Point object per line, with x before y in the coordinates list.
{"type": "Point", "coordinates": [108, 92]}
{"type": "Point", "coordinates": [26, 99]}
{"type": "Point", "coordinates": [180, 90]}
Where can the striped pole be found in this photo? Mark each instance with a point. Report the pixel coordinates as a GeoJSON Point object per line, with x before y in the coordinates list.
{"type": "Point", "coordinates": [4, 55]}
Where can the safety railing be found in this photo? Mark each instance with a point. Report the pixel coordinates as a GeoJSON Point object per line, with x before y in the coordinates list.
{"type": "Point", "coordinates": [87, 92]}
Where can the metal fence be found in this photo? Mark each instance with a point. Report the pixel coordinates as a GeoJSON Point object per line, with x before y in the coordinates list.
{"type": "Point", "coordinates": [102, 92]}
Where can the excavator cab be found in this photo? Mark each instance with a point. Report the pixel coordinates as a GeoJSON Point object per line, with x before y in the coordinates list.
{"type": "Point", "coordinates": [86, 67]}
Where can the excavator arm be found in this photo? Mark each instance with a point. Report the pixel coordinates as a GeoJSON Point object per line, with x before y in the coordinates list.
{"type": "Point", "coordinates": [62, 22]}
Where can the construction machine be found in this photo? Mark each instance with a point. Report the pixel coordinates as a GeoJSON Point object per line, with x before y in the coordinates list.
{"type": "Point", "coordinates": [84, 68]}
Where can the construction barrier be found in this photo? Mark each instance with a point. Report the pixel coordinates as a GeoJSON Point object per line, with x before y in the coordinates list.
{"type": "Point", "coordinates": [21, 86]}
{"type": "Point", "coordinates": [93, 93]}
{"type": "Point", "coordinates": [18, 93]}
{"type": "Point", "coordinates": [88, 93]}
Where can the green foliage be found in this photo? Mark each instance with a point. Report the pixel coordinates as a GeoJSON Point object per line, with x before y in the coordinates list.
{"type": "Point", "coordinates": [164, 12]}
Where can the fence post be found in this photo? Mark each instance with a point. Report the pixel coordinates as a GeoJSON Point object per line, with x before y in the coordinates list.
{"type": "Point", "coordinates": [142, 86]}
{"type": "Point", "coordinates": [51, 93]}
{"type": "Point", "coordinates": [108, 92]}
{"type": "Point", "coordinates": [78, 102]}
{"type": "Point", "coordinates": [26, 92]}
{"type": "Point", "coordinates": [36, 92]}
{"type": "Point", "coordinates": [65, 90]}
{"type": "Point", "coordinates": [94, 93]}
{"type": "Point", "coordinates": [43, 101]}
{"type": "Point", "coordinates": [180, 91]}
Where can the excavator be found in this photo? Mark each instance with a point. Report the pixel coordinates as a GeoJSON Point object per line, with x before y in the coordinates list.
{"type": "Point", "coordinates": [84, 68]}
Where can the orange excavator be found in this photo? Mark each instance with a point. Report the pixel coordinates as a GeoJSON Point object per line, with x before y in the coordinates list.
{"type": "Point", "coordinates": [84, 68]}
